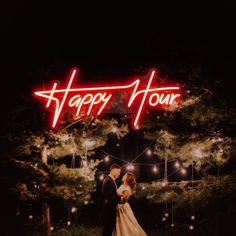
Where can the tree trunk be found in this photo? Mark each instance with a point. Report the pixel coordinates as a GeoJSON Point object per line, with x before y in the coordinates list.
{"type": "Point", "coordinates": [46, 217]}
{"type": "Point", "coordinates": [44, 156]}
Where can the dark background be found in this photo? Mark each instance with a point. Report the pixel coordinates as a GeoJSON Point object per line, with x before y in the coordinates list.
{"type": "Point", "coordinates": [110, 42]}
{"type": "Point", "coordinates": [42, 41]}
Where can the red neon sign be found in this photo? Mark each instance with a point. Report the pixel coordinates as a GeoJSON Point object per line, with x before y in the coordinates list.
{"type": "Point", "coordinates": [97, 98]}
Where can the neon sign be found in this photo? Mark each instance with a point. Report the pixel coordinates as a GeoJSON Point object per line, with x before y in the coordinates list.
{"type": "Point", "coordinates": [94, 100]}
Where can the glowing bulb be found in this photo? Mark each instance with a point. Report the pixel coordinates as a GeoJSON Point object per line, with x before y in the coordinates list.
{"type": "Point", "coordinates": [172, 225]}
{"type": "Point", "coordinates": [143, 188]}
{"type": "Point", "coordinates": [52, 228]}
{"type": "Point", "coordinates": [130, 167]}
{"type": "Point", "coordinates": [155, 169]}
{"type": "Point", "coordinates": [183, 171]}
{"type": "Point", "coordinates": [191, 227]}
{"type": "Point", "coordinates": [192, 217]}
{"type": "Point", "coordinates": [30, 217]}
{"type": "Point", "coordinates": [163, 219]}
{"type": "Point", "coordinates": [166, 214]}
{"type": "Point", "coordinates": [164, 183]}
{"type": "Point", "coordinates": [73, 209]}
{"type": "Point", "coordinates": [106, 159]}
{"type": "Point", "coordinates": [86, 202]}
{"type": "Point", "coordinates": [101, 177]}
{"type": "Point", "coordinates": [114, 129]}
{"type": "Point", "coordinates": [177, 164]}
{"type": "Point", "coordinates": [149, 152]}
{"type": "Point", "coordinates": [68, 223]}
{"type": "Point", "coordinates": [117, 144]}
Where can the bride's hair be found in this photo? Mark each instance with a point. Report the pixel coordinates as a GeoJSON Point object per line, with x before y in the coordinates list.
{"type": "Point", "coordinates": [131, 181]}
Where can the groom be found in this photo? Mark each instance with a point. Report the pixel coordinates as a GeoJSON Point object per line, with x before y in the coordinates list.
{"type": "Point", "coordinates": [109, 189]}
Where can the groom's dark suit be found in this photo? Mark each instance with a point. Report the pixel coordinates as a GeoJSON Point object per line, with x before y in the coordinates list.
{"type": "Point", "coordinates": [109, 190]}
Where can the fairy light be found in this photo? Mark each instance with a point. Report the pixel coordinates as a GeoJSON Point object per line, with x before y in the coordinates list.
{"type": "Point", "coordinates": [101, 177]}
{"type": "Point", "coordinates": [130, 167]}
{"type": "Point", "coordinates": [164, 183]}
{"type": "Point", "coordinates": [155, 169]}
{"type": "Point", "coordinates": [183, 171]}
{"type": "Point", "coordinates": [166, 214]}
{"type": "Point", "coordinates": [172, 225]}
{"type": "Point", "coordinates": [193, 217]}
{"type": "Point", "coordinates": [86, 202]}
{"type": "Point", "coordinates": [73, 209]}
{"type": "Point", "coordinates": [191, 227]}
{"type": "Point", "coordinates": [68, 223]}
{"type": "Point", "coordinates": [163, 218]}
{"type": "Point", "coordinates": [114, 129]}
{"type": "Point", "coordinates": [143, 188]}
{"type": "Point", "coordinates": [106, 159]}
{"type": "Point", "coordinates": [149, 152]}
{"type": "Point", "coordinates": [117, 144]}
{"type": "Point", "coordinates": [52, 228]}
{"type": "Point", "coordinates": [177, 164]}
{"type": "Point", "coordinates": [30, 217]}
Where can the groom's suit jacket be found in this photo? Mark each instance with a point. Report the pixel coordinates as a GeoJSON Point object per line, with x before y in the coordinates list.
{"type": "Point", "coordinates": [109, 189]}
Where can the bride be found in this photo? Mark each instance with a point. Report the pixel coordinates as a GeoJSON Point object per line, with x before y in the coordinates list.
{"type": "Point", "coordinates": [126, 223]}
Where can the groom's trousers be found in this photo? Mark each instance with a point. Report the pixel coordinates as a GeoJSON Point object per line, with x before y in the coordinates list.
{"type": "Point", "coordinates": [109, 217]}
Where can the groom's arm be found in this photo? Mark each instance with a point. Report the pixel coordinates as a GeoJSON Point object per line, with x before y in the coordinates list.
{"type": "Point", "coordinates": [110, 193]}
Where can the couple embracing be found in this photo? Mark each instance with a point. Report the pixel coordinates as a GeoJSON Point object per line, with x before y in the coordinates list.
{"type": "Point", "coordinates": [118, 216]}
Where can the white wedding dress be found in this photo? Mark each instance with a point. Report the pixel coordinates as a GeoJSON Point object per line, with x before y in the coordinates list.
{"type": "Point", "coordinates": [126, 223]}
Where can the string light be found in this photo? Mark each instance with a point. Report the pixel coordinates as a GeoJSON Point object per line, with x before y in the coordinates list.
{"type": "Point", "coordinates": [164, 183]}
{"type": "Point", "coordinates": [166, 214]}
{"type": "Point", "coordinates": [68, 223]}
{"type": "Point", "coordinates": [172, 225]}
{"type": "Point", "coordinates": [52, 228]}
{"type": "Point", "coordinates": [106, 159]}
{"type": "Point", "coordinates": [192, 217]}
{"type": "Point", "coordinates": [114, 129]}
{"type": "Point", "coordinates": [86, 202]}
{"type": "Point", "coordinates": [101, 177]}
{"type": "Point", "coordinates": [73, 209]}
{"type": "Point", "coordinates": [155, 169]}
{"type": "Point", "coordinates": [143, 188]}
{"type": "Point", "coordinates": [177, 164]}
{"type": "Point", "coordinates": [30, 217]}
{"type": "Point", "coordinates": [130, 167]}
{"type": "Point", "coordinates": [191, 227]}
{"type": "Point", "coordinates": [117, 144]}
{"type": "Point", "coordinates": [149, 152]}
{"type": "Point", "coordinates": [163, 218]}
{"type": "Point", "coordinates": [183, 171]}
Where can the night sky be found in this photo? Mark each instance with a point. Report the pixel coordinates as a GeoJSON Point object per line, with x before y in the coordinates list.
{"type": "Point", "coordinates": [113, 41]}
